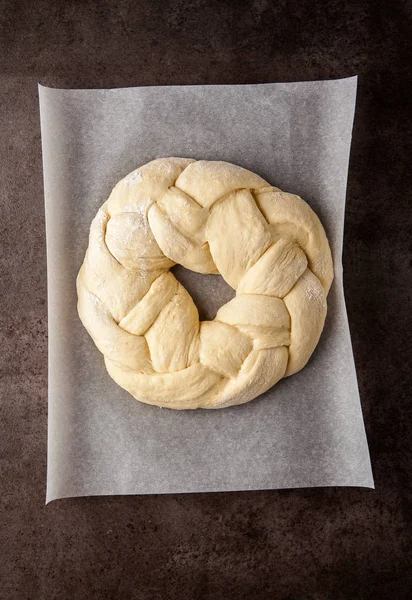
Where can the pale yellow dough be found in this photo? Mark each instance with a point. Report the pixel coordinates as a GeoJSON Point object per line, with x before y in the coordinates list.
{"type": "Point", "coordinates": [210, 217]}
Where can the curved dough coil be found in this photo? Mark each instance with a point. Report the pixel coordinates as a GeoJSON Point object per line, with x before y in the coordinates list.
{"type": "Point", "coordinates": [210, 217]}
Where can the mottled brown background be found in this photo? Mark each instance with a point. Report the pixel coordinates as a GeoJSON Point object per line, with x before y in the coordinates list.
{"type": "Point", "coordinates": [296, 544]}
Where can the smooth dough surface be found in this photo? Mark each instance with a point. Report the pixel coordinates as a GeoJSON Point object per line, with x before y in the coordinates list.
{"type": "Point", "coordinates": [210, 217]}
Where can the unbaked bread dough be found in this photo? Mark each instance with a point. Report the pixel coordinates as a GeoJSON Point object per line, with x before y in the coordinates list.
{"type": "Point", "coordinates": [210, 217]}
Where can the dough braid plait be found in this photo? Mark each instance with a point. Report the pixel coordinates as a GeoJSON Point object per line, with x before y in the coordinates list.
{"type": "Point", "coordinates": [210, 217]}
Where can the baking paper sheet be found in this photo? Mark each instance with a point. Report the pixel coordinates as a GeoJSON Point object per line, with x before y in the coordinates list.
{"type": "Point", "coordinates": [307, 430]}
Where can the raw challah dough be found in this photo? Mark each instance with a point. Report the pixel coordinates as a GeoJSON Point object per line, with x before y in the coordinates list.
{"type": "Point", "coordinates": [210, 217]}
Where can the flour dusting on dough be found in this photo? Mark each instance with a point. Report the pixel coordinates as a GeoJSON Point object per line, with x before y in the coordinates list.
{"type": "Point", "coordinates": [133, 177]}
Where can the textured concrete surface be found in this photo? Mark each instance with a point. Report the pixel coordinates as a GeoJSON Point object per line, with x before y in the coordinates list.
{"type": "Point", "coordinates": [298, 544]}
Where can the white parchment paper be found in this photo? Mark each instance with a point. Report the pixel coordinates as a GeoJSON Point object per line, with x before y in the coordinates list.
{"type": "Point", "coordinates": [307, 430]}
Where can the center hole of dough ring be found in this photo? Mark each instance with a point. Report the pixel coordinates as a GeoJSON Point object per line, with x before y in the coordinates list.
{"type": "Point", "coordinates": [209, 292]}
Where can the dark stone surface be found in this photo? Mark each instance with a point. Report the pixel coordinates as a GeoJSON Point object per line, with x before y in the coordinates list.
{"type": "Point", "coordinates": [298, 544]}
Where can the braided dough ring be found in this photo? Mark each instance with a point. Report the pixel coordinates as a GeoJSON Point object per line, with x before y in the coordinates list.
{"type": "Point", "coordinates": [210, 217]}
